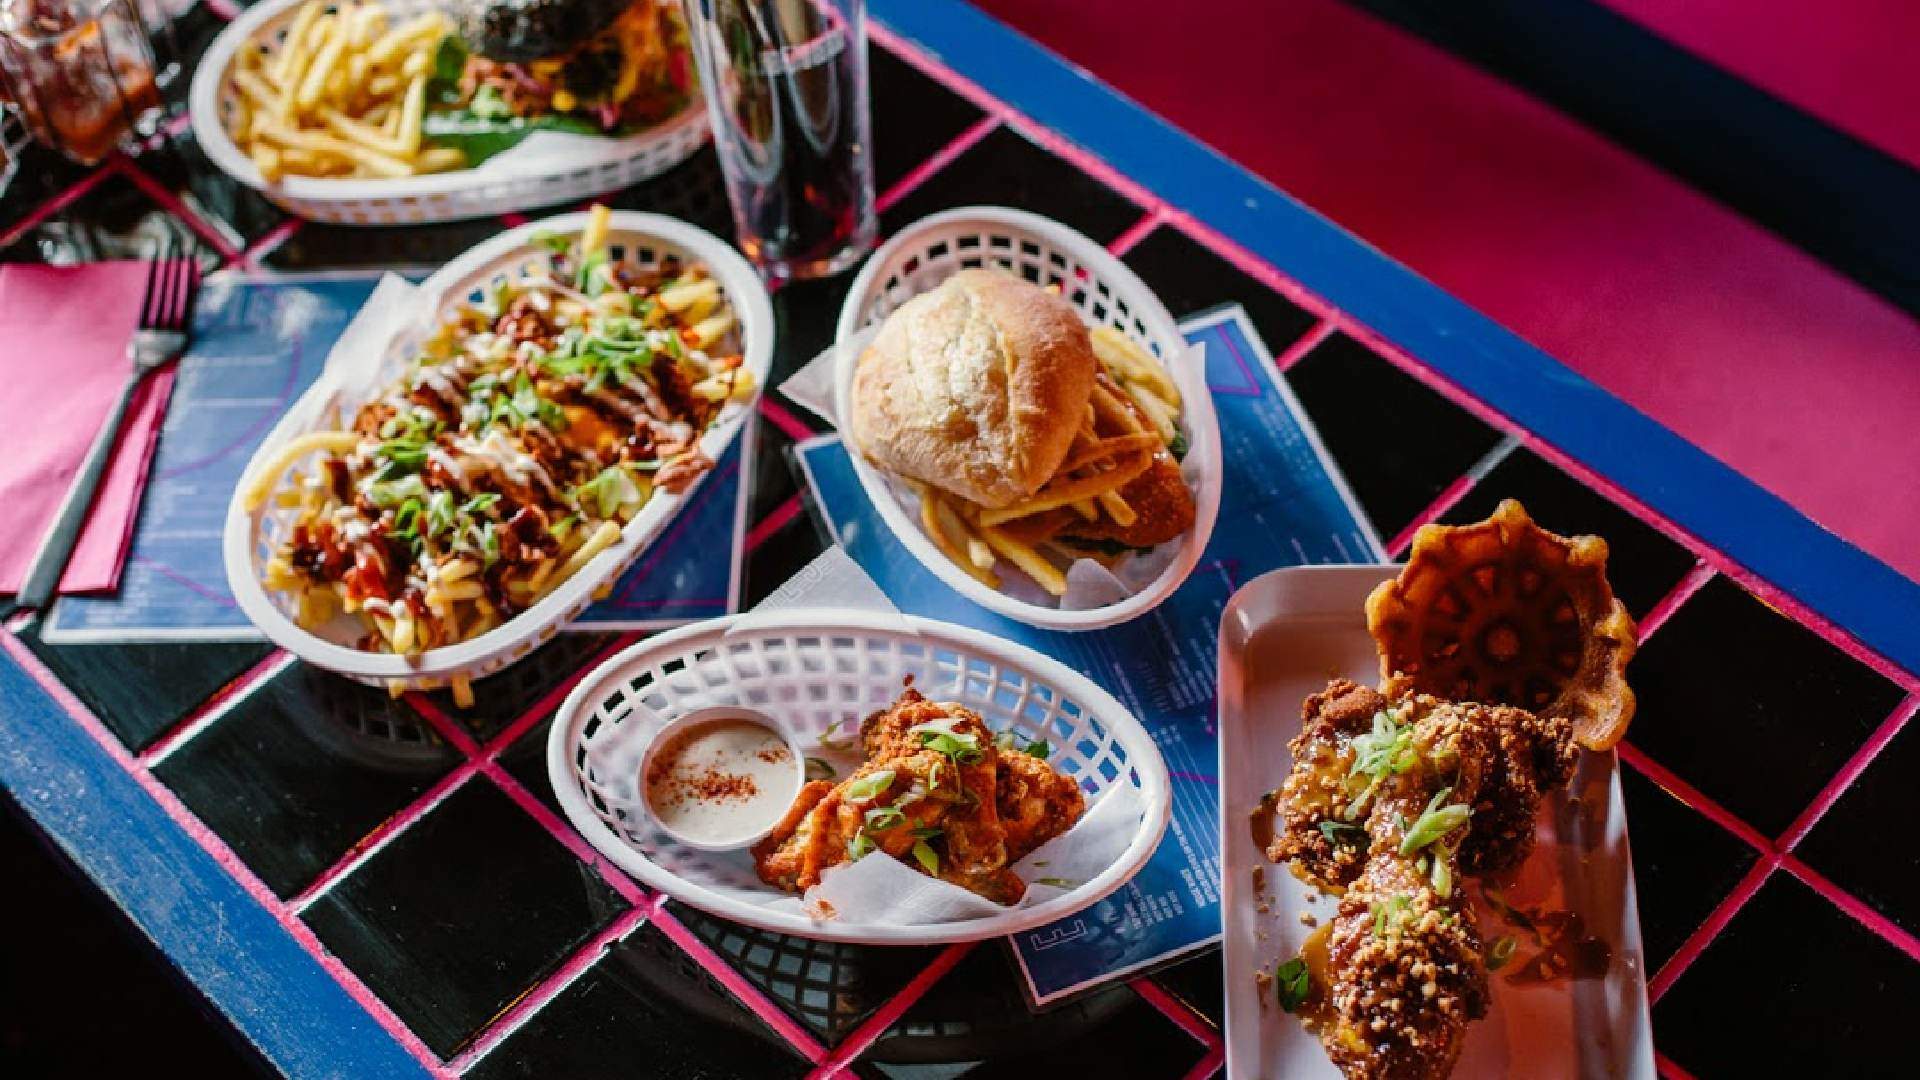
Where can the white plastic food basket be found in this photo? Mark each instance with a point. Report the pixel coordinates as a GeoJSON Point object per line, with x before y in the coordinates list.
{"type": "Point", "coordinates": [637, 239]}
{"type": "Point", "coordinates": [1106, 293]}
{"type": "Point", "coordinates": [513, 180]}
{"type": "Point", "coordinates": [805, 669]}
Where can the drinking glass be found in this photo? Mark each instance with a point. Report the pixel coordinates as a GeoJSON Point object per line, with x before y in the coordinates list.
{"type": "Point", "coordinates": [786, 88]}
{"type": "Point", "coordinates": [79, 71]}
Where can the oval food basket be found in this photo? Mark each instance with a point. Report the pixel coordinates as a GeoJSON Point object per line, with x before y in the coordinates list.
{"type": "Point", "coordinates": [807, 670]}
{"type": "Point", "coordinates": [637, 239]}
{"type": "Point", "coordinates": [509, 181]}
{"type": "Point", "coordinates": [1105, 292]}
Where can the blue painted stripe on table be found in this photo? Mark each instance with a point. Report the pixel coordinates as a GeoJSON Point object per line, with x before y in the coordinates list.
{"type": "Point", "coordinates": [1732, 514]}
{"type": "Point", "coordinates": [232, 948]}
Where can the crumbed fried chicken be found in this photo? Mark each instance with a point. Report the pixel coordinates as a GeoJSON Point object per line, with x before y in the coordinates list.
{"type": "Point", "coordinates": [1036, 802]}
{"type": "Point", "coordinates": [1393, 800]}
{"type": "Point", "coordinates": [910, 792]}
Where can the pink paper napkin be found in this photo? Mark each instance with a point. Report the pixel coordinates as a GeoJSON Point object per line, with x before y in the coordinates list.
{"type": "Point", "coordinates": [63, 342]}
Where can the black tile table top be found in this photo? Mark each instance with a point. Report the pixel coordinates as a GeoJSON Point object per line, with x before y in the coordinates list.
{"type": "Point", "coordinates": [913, 117]}
{"type": "Point", "coordinates": [504, 697]}
{"type": "Point", "coordinates": [1007, 169]}
{"type": "Point", "coordinates": [140, 690]}
{"type": "Point", "coordinates": [1858, 842]}
{"type": "Point", "coordinates": [526, 761]}
{"type": "Point", "coordinates": [113, 220]}
{"type": "Point", "coordinates": [1199, 983]}
{"type": "Point", "coordinates": [976, 1015]}
{"type": "Point", "coordinates": [1399, 442]}
{"type": "Point", "coordinates": [454, 904]}
{"type": "Point", "coordinates": [828, 986]}
{"type": "Point", "coordinates": [1683, 865]}
{"type": "Point", "coordinates": [1792, 987]}
{"type": "Point", "coordinates": [462, 913]}
{"type": "Point", "coordinates": [644, 1009]}
{"type": "Point", "coordinates": [300, 770]}
{"type": "Point", "coordinates": [1642, 563]}
{"type": "Point", "coordinates": [1188, 278]}
{"type": "Point", "coordinates": [1751, 708]}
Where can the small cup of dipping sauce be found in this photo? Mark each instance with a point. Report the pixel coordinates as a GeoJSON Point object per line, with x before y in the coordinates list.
{"type": "Point", "coordinates": [719, 779]}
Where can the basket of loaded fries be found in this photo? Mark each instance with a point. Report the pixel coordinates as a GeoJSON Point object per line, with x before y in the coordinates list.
{"type": "Point", "coordinates": [853, 774]}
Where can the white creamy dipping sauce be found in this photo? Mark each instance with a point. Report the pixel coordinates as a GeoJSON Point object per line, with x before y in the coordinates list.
{"type": "Point", "coordinates": [721, 780]}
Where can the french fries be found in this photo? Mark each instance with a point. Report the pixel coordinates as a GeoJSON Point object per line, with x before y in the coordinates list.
{"type": "Point", "coordinates": [344, 96]}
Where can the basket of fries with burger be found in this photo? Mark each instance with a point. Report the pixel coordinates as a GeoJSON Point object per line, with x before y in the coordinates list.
{"type": "Point", "coordinates": [1027, 418]}
{"type": "Point", "coordinates": [412, 111]}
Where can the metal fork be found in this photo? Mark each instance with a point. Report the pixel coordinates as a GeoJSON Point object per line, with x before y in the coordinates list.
{"type": "Point", "coordinates": [166, 314]}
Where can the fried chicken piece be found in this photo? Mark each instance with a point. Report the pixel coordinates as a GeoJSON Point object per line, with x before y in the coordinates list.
{"type": "Point", "coordinates": [1406, 975]}
{"type": "Point", "coordinates": [1519, 756]}
{"type": "Point", "coordinates": [1036, 802]}
{"type": "Point", "coordinates": [1393, 800]}
{"type": "Point", "coordinates": [1535, 755]}
{"type": "Point", "coordinates": [1315, 791]}
{"type": "Point", "coordinates": [1404, 971]}
{"type": "Point", "coordinates": [908, 792]}
{"type": "Point", "coordinates": [1162, 504]}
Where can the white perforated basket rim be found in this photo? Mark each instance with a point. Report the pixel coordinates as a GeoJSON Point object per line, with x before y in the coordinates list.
{"type": "Point", "coordinates": [1161, 337]}
{"type": "Point", "coordinates": [1144, 764]}
{"type": "Point", "coordinates": [494, 649]}
{"type": "Point", "coordinates": [436, 196]}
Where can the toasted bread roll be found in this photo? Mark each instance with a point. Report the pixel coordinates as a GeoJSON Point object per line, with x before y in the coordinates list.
{"type": "Point", "coordinates": [976, 387]}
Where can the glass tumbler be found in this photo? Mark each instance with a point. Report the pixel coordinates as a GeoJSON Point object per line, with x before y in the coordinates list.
{"type": "Point", "coordinates": [80, 72]}
{"type": "Point", "coordinates": [786, 88]}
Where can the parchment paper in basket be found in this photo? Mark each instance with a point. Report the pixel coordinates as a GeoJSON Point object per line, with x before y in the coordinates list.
{"type": "Point", "coordinates": [356, 365]}
{"type": "Point", "coordinates": [878, 889]}
{"type": "Point", "coordinates": [1089, 584]}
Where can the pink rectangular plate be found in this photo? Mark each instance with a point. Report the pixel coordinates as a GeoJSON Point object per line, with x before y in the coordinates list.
{"type": "Point", "coordinates": [1282, 637]}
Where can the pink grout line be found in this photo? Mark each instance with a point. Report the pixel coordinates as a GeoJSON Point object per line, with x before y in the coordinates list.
{"type": "Point", "coordinates": [748, 994]}
{"type": "Point", "coordinates": [1716, 921]}
{"type": "Point", "coordinates": [863, 1037]}
{"type": "Point", "coordinates": [773, 523]}
{"type": "Point", "coordinates": [1175, 1010]}
{"type": "Point", "coordinates": [933, 69]}
{"type": "Point", "coordinates": [941, 159]}
{"type": "Point", "coordinates": [1308, 342]}
{"type": "Point", "coordinates": [1842, 780]}
{"type": "Point", "coordinates": [1862, 912]}
{"type": "Point", "coordinates": [1251, 265]}
{"type": "Point", "coordinates": [218, 850]}
{"type": "Point", "coordinates": [569, 837]}
{"type": "Point", "coordinates": [1669, 1069]}
{"type": "Point", "coordinates": [1214, 1060]}
{"type": "Point", "coordinates": [549, 988]}
{"type": "Point", "coordinates": [226, 9]}
{"type": "Point", "coordinates": [171, 203]}
{"type": "Point", "coordinates": [223, 699]}
{"type": "Point", "coordinates": [56, 204]}
{"type": "Point", "coordinates": [550, 701]}
{"type": "Point", "coordinates": [1137, 232]}
{"type": "Point", "coordinates": [449, 728]}
{"type": "Point", "coordinates": [1448, 496]}
{"type": "Point", "coordinates": [783, 418]}
{"type": "Point", "coordinates": [1693, 797]}
{"type": "Point", "coordinates": [1764, 591]}
{"type": "Point", "coordinates": [270, 241]}
{"type": "Point", "coordinates": [1452, 494]}
{"type": "Point", "coordinates": [383, 834]}
{"type": "Point", "coordinates": [1691, 582]}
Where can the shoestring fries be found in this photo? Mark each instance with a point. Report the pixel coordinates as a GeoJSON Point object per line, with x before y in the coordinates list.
{"type": "Point", "coordinates": [1132, 417]}
{"type": "Point", "coordinates": [528, 430]}
{"type": "Point", "coordinates": [344, 96]}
